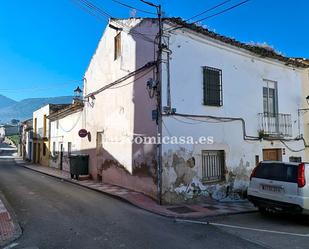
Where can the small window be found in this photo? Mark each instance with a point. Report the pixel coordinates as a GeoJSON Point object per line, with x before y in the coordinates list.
{"type": "Point", "coordinates": [117, 46]}
{"type": "Point", "coordinates": [213, 165]}
{"type": "Point", "coordinates": [69, 148]}
{"type": "Point", "coordinates": [212, 83]}
{"type": "Point", "coordinates": [295, 159]}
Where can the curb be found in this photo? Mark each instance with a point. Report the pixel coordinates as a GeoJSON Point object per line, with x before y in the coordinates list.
{"type": "Point", "coordinates": [17, 229]}
{"type": "Point", "coordinates": [197, 217]}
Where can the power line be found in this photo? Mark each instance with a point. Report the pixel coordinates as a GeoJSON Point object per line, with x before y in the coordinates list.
{"type": "Point", "coordinates": [82, 7]}
{"type": "Point", "coordinates": [131, 7]}
{"type": "Point", "coordinates": [95, 10]}
{"type": "Point", "coordinates": [137, 78]}
{"type": "Point", "coordinates": [120, 80]}
{"type": "Point", "coordinates": [208, 10]}
{"type": "Point", "coordinates": [210, 16]}
{"type": "Point", "coordinates": [223, 11]}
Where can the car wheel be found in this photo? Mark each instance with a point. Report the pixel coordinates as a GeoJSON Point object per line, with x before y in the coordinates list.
{"type": "Point", "coordinates": [263, 210]}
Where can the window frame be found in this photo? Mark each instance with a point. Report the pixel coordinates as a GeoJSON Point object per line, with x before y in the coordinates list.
{"type": "Point", "coordinates": [212, 179]}
{"type": "Point", "coordinates": [270, 85]}
{"type": "Point", "coordinates": [117, 46]}
{"type": "Point", "coordinates": [210, 102]}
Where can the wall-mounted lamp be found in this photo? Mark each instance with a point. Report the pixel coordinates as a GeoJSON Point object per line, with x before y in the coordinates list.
{"type": "Point", "coordinates": [92, 96]}
{"type": "Point", "coordinates": [77, 93]}
{"type": "Point", "coordinates": [307, 99]}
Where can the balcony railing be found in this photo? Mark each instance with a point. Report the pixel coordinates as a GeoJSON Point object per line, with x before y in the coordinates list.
{"type": "Point", "coordinates": [277, 124]}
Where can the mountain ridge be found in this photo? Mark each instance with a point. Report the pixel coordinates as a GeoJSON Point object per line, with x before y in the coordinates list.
{"type": "Point", "coordinates": [5, 101]}
{"type": "Point", "coordinates": [23, 109]}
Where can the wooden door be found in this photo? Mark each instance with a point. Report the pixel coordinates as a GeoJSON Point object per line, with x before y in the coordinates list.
{"type": "Point", "coordinates": [272, 155]}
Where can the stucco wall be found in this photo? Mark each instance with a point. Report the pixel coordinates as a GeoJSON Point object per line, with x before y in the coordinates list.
{"type": "Point", "coordinates": [120, 112]}
{"type": "Point", "coordinates": [63, 131]}
{"type": "Point", "coordinates": [38, 133]}
{"type": "Point", "coordinates": [243, 75]}
{"type": "Point", "coordinates": [305, 114]}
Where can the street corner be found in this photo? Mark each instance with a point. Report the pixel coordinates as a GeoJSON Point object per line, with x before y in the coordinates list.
{"type": "Point", "coordinates": [9, 227]}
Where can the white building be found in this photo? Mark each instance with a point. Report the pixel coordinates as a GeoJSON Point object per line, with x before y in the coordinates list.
{"type": "Point", "coordinates": [41, 132]}
{"type": "Point", "coordinates": [243, 99]}
{"type": "Point", "coordinates": [26, 140]}
{"type": "Point", "coordinates": [64, 140]}
{"type": "Point", "coordinates": [246, 97]}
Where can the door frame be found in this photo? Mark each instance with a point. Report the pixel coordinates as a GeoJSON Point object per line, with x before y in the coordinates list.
{"type": "Point", "coordinates": [278, 152]}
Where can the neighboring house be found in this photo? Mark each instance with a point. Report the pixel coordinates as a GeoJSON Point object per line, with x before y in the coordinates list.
{"type": "Point", "coordinates": [9, 130]}
{"type": "Point", "coordinates": [2, 133]}
{"type": "Point", "coordinates": [64, 140]}
{"type": "Point", "coordinates": [26, 139]}
{"type": "Point", "coordinates": [41, 129]}
{"type": "Point", "coordinates": [113, 117]}
{"type": "Point", "coordinates": [243, 98]}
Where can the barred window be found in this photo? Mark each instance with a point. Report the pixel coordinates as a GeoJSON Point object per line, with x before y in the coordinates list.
{"type": "Point", "coordinates": [213, 165]}
{"type": "Point", "coordinates": [212, 83]}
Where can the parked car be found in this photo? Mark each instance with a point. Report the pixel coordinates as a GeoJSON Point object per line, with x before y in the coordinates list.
{"type": "Point", "coordinates": [280, 186]}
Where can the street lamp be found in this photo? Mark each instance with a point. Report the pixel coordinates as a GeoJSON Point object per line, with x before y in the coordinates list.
{"type": "Point", "coordinates": [77, 93]}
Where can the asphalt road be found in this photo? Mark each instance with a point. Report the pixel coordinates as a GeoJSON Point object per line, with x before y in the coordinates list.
{"type": "Point", "coordinates": [56, 214]}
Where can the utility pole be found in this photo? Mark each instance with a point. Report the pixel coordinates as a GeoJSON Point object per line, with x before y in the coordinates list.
{"type": "Point", "coordinates": [159, 102]}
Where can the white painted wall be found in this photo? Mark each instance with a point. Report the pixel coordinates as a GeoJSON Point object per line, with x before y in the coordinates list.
{"type": "Point", "coordinates": [63, 131]}
{"type": "Point", "coordinates": [305, 114]}
{"type": "Point", "coordinates": [243, 77]}
{"type": "Point", "coordinates": [120, 112]}
{"type": "Point", "coordinates": [39, 115]}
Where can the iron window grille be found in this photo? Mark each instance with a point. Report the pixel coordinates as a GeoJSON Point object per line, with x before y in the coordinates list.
{"type": "Point", "coordinates": [213, 165]}
{"type": "Point", "coordinates": [212, 84]}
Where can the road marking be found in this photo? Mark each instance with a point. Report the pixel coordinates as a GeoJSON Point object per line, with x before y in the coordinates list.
{"type": "Point", "coordinates": [11, 246]}
{"type": "Point", "coordinates": [241, 227]}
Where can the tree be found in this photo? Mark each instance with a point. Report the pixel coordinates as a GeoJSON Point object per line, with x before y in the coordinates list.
{"type": "Point", "coordinates": [14, 121]}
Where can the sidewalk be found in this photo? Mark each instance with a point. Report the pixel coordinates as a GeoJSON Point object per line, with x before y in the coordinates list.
{"type": "Point", "coordinates": [211, 208]}
{"type": "Point", "coordinates": [9, 230]}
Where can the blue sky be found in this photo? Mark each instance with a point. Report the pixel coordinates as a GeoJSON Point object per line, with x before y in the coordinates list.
{"type": "Point", "coordinates": [45, 46]}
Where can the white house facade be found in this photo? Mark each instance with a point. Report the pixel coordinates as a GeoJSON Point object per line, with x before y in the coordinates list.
{"type": "Point", "coordinates": [223, 106]}
{"type": "Point", "coordinates": [64, 140]}
{"type": "Point", "coordinates": [244, 101]}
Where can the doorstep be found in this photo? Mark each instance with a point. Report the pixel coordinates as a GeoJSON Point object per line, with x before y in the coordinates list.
{"type": "Point", "coordinates": [206, 209]}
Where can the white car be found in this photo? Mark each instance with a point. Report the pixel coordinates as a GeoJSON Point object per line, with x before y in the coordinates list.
{"type": "Point", "coordinates": [280, 186]}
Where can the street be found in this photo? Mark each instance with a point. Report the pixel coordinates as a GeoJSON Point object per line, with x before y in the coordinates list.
{"type": "Point", "coordinates": [57, 214]}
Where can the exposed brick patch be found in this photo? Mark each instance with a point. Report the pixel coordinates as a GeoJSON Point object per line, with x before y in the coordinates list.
{"type": "Point", "coordinates": [7, 228]}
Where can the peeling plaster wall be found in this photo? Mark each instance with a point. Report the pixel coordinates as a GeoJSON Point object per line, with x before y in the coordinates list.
{"type": "Point", "coordinates": [121, 113]}
{"type": "Point", "coordinates": [243, 75]}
